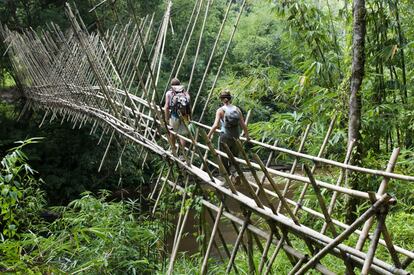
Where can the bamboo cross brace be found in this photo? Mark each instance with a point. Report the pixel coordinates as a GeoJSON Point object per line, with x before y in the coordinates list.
{"type": "Point", "coordinates": [151, 196]}
{"type": "Point", "coordinates": [274, 255]}
{"type": "Point", "coordinates": [219, 162]}
{"type": "Point", "coordinates": [161, 190]}
{"type": "Point", "coordinates": [221, 237]}
{"type": "Point", "coordinates": [183, 205]}
{"type": "Point", "coordinates": [321, 150]}
{"type": "Point", "coordinates": [284, 238]}
{"type": "Point", "coordinates": [241, 175]}
{"type": "Point", "coordinates": [381, 191]}
{"type": "Point", "coordinates": [263, 258]}
{"type": "Point", "coordinates": [253, 171]}
{"type": "Point", "coordinates": [345, 234]}
{"type": "Point", "coordinates": [277, 191]}
{"type": "Point", "coordinates": [236, 245]}
{"type": "Point", "coordinates": [338, 182]}
{"type": "Point", "coordinates": [175, 248]}
{"type": "Point", "coordinates": [389, 245]}
{"type": "Point", "coordinates": [298, 265]}
{"type": "Point", "coordinates": [106, 150]}
{"type": "Point", "coordinates": [374, 242]}
{"type": "Point", "coordinates": [327, 216]}
{"type": "Point", "coordinates": [294, 164]}
{"type": "Point", "coordinates": [204, 264]}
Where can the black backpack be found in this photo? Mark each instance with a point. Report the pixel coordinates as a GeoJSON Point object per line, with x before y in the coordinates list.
{"type": "Point", "coordinates": [180, 103]}
{"type": "Point", "coordinates": [231, 118]}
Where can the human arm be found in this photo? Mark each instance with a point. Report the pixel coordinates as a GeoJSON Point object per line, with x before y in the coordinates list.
{"type": "Point", "coordinates": [243, 125]}
{"type": "Point", "coordinates": [216, 123]}
{"type": "Point", "coordinates": [187, 94]}
{"type": "Point", "coordinates": [167, 107]}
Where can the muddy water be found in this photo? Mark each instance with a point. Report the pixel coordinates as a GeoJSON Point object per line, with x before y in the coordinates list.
{"type": "Point", "coordinates": [189, 244]}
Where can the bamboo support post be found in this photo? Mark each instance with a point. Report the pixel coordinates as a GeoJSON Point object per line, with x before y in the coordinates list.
{"type": "Point", "coordinates": [345, 234]}
{"type": "Point", "coordinates": [241, 175]}
{"type": "Point", "coordinates": [161, 191]}
{"type": "Point", "coordinates": [277, 191]}
{"type": "Point", "coordinates": [331, 226]}
{"type": "Point", "coordinates": [381, 191]}
{"type": "Point", "coordinates": [373, 247]}
{"type": "Point", "coordinates": [236, 245]}
{"type": "Point", "coordinates": [295, 162]}
{"type": "Point", "coordinates": [204, 264]}
{"type": "Point", "coordinates": [338, 182]}
{"type": "Point", "coordinates": [106, 151]}
{"type": "Point", "coordinates": [177, 244]}
{"type": "Point", "coordinates": [321, 150]}
{"type": "Point", "coordinates": [263, 258]}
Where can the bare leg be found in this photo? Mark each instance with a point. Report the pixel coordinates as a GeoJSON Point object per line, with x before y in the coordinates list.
{"type": "Point", "coordinates": [173, 142]}
{"type": "Point", "coordinates": [182, 141]}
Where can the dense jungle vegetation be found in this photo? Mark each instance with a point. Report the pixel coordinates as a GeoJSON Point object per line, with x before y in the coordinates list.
{"type": "Point", "coordinates": [291, 62]}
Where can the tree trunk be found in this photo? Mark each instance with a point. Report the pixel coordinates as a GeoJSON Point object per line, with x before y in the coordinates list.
{"type": "Point", "coordinates": [354, 127]}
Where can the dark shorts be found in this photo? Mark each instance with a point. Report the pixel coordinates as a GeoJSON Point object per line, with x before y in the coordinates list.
{"type": "Point", "coordinates": [231, 143]}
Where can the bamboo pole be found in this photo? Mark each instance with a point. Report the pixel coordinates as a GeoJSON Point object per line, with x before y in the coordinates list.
{"type": "Point", "coordinates": [236, 245]}
{"type": "Point", "coordinates": [338, 182]}
{"type": "Point", "coordinates": [203, 25]}
{"type": "Point", "coordinates": [295, 162]}
{"type": "Point", "coordinates": [277, 191]}
{"type": "Point", "coordinates": [223, 59]}
{"type": "Point", "coordinates": [321, 150]}
{"type": "Point", "coordinates": [372, 248]}
{"type": "Point", "coordinates": [345, 234]}
{"type": "Point", "coordinates": [106, 151]}
{"type": "Point", "coordinates": [211, 55]}
{"type": "Point", "coordinates": [241, 175]}
{"type": "Point", "coordinates": [381, 191]}
{"type": "Point", "coordinates": [263, 259]}
{"type": "Point", "coordinates": [331, 226]}
{"type": "Point", "coordinates": [178, 240]}
{"type": "Point", "coordinates": [204, 264]}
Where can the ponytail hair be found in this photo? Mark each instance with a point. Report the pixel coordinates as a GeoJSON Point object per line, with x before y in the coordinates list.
{"type": "Point", "coordinates": [225, 96]}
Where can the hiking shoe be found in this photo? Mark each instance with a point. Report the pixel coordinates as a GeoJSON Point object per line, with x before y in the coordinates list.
{"type": "Point", "coordinates": [237, 180]}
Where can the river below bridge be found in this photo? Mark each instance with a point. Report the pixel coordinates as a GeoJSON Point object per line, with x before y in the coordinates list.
{"type": "Point", "coordinates": [191, 231]}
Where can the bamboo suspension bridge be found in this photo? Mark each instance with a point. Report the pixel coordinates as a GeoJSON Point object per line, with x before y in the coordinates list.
{"type": "Point", "coordinates": [110, 82]}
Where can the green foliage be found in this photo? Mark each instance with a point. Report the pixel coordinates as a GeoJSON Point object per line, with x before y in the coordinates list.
{"type": "Point", "coordinates": [69, 160]}
{"type": "Point", "coordinates": [92, 236]}
{"type": "Point", "coordinates": [21, 199]}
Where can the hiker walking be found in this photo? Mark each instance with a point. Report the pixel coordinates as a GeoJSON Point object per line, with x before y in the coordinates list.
{"type": "Point", "coordinates": [177, 109]}
{"type": "Point", "coordinates": [231, 119]}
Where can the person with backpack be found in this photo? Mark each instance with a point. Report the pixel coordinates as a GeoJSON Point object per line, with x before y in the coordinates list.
{"type": "Point", "coordinates": [231, 119]}
{"type": "Point", "coordinates": [177, 109]}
